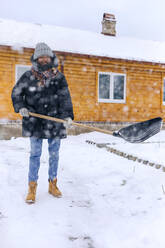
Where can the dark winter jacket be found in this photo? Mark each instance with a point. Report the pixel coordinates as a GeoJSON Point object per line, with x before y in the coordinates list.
{"type": "Point", "coordinates": [52, 99]}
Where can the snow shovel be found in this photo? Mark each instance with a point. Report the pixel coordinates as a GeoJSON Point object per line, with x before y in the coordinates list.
{"type": "Point", "coordinates": [135, 133]}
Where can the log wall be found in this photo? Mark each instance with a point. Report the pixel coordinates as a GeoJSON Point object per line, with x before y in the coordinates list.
{"type": "Point", "coordinates": [144, 86]}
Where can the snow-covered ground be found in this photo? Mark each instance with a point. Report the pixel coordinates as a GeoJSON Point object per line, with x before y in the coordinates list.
{"type": "Point", "coordinates": [108, 201]}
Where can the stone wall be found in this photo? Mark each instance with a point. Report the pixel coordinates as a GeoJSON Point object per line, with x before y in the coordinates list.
{"type": "Point", "coordinates": [7, 131]}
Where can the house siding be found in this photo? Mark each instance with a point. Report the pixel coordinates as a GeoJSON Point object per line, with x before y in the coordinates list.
{"type": "Point", "coordinates": [144, 85]}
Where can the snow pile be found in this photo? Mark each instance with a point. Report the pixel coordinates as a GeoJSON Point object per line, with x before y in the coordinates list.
{"type": "Point", "coordinates": [19, 34]}
{"type": "Point", "coordinates": [107, 201]}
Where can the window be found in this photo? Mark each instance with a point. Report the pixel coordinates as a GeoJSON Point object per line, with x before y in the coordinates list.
{"type": "Point", "coordinates": [164, 91]}
{"type": "Point", "coordinates": [111, 87]}
{"type": "Point", "coordinates": [19, 71]}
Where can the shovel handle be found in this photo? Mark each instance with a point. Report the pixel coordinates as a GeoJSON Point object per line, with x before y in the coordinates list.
{"type": "Point", "coordinates": [73, 123]}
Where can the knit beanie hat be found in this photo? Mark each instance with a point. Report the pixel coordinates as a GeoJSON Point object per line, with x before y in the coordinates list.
{"type": "Point", "coordinates": [42, 50]}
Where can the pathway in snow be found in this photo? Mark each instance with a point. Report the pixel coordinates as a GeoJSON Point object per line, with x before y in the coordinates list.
{"type": "Point", "coordinates": [107, 201]}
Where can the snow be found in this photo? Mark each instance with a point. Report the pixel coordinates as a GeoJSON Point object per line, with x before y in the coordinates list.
{"type": "Point", "coordinates": [107, 202]}
{"type": "Point", "coordinates": [19, 34]}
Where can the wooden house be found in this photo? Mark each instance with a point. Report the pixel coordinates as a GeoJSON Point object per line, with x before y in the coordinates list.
{"type": "Point", "coordinates": [111, 79]}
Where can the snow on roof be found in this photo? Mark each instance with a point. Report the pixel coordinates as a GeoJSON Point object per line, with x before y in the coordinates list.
{"type": "Point", "coordinates": [20, 34]}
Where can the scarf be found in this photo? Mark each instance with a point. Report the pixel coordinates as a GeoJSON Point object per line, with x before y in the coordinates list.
{"type": "Point", "coordinates": [44, 76]}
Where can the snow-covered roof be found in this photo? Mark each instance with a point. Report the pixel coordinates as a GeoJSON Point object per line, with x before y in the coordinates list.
{"type": "Point", "coordinates": [20, 34]}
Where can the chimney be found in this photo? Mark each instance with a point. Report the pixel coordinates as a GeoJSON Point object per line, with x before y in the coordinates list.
{"type": "Point", "coordinates": [109, 24]}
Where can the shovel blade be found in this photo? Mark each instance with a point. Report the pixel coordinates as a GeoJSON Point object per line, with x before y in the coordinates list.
{"type": "Point", "coordinates": [139, 132]}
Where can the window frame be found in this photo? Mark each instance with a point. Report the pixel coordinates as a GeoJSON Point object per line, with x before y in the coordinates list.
{"type": "Point", "coordinates": [17, 66]}
{"type": "Point", "coordinates": [111, 87]}
{"type": "Point", "coordinates": [163, 101]}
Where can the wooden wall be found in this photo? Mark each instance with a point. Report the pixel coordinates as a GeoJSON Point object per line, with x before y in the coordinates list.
{"type": "Point", "coordinates": [144, 82]}
{"type": "Point", "coordinates": [8, 59]}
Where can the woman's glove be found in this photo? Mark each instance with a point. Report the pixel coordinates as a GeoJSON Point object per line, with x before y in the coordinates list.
{"type": "Point", "coordinates": [24, 112]}
{"type": "Point", "coordinates": [68, 122]}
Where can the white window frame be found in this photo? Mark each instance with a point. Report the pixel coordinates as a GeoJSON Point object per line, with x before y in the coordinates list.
{"type": "Point", "coordinates": [17, 66]}
{"type": "Point", "coordinates": [111, 100]}
{"type": "Point", "coordinates": [163, 90]}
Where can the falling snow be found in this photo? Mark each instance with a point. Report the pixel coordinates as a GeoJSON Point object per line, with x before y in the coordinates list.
{"type": "Point", "coordinates": [18, 35]}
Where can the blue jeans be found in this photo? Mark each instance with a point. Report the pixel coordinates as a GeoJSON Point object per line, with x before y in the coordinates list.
{"type": "Point", "coordinates": [35, 154]}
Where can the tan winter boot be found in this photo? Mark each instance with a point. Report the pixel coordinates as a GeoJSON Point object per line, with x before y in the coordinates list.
{"type": "Point", "coordinates": [31, 196]}
{"type": "Point", "coordinates": [53, 189]}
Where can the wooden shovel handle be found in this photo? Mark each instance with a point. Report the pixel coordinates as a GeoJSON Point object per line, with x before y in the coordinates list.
{"type": "Point", "coordinates": [73, 123]}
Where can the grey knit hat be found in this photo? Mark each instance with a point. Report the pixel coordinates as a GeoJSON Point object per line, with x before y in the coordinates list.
{"type": "Point", "coordinates": [42, 50]}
